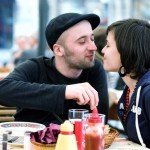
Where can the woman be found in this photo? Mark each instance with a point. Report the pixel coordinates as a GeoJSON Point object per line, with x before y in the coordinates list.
{"type": "Point", "coordinates": [128, 52]}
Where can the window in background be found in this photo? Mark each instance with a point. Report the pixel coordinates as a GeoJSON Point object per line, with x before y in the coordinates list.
{"type": "Point", "coordinates": [6, 23]}
{"type": "Point", "coordinates": [99, 7]}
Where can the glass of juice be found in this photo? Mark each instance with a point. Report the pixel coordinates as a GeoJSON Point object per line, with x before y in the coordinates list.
{"type": "Point", "coordinates": [76, 117]}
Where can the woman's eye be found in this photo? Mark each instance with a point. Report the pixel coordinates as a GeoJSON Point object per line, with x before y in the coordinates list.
{"type": "Point", "coordinates": [106, 45]}
{"type": "Point", "coordinates": [92, 39]}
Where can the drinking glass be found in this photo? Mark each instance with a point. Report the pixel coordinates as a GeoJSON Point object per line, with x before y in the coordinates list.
{"type": "Point", "coordinates": [75, 115]}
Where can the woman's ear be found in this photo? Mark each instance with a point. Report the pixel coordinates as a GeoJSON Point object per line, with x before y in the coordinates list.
{"type": "Point", "coordinates": [58, 49]}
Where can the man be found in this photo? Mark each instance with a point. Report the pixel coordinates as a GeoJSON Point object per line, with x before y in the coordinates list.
{"type": "Point", "coordinates": [44, 89]}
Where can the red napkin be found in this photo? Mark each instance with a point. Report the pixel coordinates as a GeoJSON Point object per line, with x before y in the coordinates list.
{"type": "Point", "coordinates": [48, 135]}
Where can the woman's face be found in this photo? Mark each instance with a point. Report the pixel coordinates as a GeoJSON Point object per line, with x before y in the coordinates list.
{"type": "Point", "coordinates": [111, 58]}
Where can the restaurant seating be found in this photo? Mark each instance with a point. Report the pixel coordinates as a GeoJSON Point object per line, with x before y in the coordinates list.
{"type": "Point", "coordinates": [6, 113]}
{"type": "Point", "coordinates": [4, 71]}
{"type": "Point", "coordinates": [113, 112]}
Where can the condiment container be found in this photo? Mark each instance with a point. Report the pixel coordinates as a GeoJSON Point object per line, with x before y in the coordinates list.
{"type": "Point", "coordinates": [79, 128]}
{"type": "Point", "coordinates": [27, 143]}
{"type": "Point", "coordinates": [4, 142]}
{"type": "Point", "coordinates": [66, 139]}
{"type": "Point", "coordinates": [94, 134]}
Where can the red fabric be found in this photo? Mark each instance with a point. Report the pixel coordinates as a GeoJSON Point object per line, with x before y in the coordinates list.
{"type": "Point", "coordinates": [48, 135]}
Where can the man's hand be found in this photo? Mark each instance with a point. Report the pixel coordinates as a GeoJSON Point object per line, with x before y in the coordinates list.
{"type": "Point", "coordinates": [83, 93]}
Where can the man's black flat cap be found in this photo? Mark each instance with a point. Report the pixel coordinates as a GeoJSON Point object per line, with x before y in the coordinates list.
{"type": "Point", "coordinates": [62, 22]}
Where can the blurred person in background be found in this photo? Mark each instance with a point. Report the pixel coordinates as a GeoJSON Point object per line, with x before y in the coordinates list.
{"type": "Point", "coordinates": [33, 41]}
{"type": "Point", "coordinates": [44, 89]}
{"type": "Point", "coordinates": [31, 51]}
{"type": "Point", "coordinates": [100, 41]}
{"type": "Point", "coordinates": [128, 41]}
{"type": "Point", "coordinates": [21, 44]}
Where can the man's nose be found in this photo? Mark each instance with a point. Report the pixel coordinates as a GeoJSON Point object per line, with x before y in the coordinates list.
{"type": "Point", "coordinates": [92, 46]}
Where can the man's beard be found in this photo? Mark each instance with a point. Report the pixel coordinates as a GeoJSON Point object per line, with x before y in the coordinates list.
{"type": "Point", "coordinates": [78, 64]}
{"type": "Point", "coordinates": [75, 63]}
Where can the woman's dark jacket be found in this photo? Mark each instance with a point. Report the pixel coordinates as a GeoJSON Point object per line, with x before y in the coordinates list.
{"type": "Point", "coordinates": [143, 111]}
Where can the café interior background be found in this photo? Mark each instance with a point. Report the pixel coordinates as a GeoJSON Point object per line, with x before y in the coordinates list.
{"type": "Point", "coordinates": [24, 17]}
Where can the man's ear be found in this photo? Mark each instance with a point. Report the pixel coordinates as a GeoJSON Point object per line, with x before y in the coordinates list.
{"type": "Point", "coordinates": [58, 49]}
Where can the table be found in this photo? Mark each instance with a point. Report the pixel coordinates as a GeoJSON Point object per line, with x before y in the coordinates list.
{"type": "Point", "coordinates": [124, 144]}
{"type": "Point", "coordinates": [4, 71]}
{"type": "Point", "coordinates": [12, 147]}
{"type": "Point", "coordinates": [3, 75]}
{"type": "Point", "coordinates": [118, 144]}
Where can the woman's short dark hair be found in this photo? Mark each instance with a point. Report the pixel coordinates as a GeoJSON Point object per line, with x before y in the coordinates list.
{"type": "Point", "coordinates": [132, 38]}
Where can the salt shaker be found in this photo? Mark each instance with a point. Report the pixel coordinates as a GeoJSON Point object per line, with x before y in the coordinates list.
{"type": "Point", "coordinates": [4, 142]}
{"type": "Point", "coordinates": [27, 143]}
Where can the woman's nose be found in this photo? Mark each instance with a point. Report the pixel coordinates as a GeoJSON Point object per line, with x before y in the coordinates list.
{"type": "Point", "coordinates": [103, 50]}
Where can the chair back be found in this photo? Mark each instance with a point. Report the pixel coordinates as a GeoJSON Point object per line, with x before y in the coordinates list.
{"type": "Point", "coordinates": [7, 113]}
